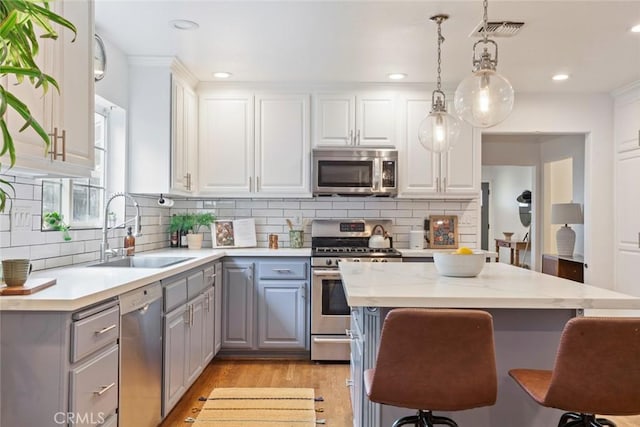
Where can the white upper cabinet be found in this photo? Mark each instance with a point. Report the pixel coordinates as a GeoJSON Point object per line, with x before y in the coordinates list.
{"type": "Point", "coordinates": [424, 174]}
{"type": "Point", "coordinates": [163, 123]}
{"type": "Point", "coordinates": [68, 115]}
{"type": "Point", "coordinates": [254, 146]}
{"type": "Point", "coordinates": [184, 136]}
{"type": "Point", "coordinates": [362, 119]}
{"type": "Point", "coordinates": [627, 117]}
{"type": "Point", "coordinates": [226, 143]}
{"type": "Point", "coordinates": [283, 148]}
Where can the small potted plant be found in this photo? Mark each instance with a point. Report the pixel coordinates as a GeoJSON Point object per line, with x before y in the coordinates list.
{"type": "Point", "coordinates": [197, 223]}
{"type": "Point", "coordinates": [54, 221]}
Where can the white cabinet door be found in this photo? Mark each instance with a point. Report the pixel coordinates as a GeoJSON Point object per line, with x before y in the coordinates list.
{"type": "Point", "coordinates": [366, 119]}
{"type": "Point", "coordinates": [375, 120]}
{"type": "Point", "coordinates": [424, 174]}
{"type": "Point", "coordinates": [184, 103]}
{"type": "Point", "coordinates": [419, 168]}
{"type": "Point", "coordinates": [282, 149]}
{"type": "Point", "coordinates": [74, 109]}
{"type": "Point", "coordinates": [226, 149]}
{"type": "Point", "coordinates": [461, 165]}
{"type": "Point", "coordinates": [628, 223]}
{"type": "Point", "coordinates": [335, 119]}
{"type": "Point", "coordinates": [67, 114]}
{"type": "Point", "coordinates": [627, 118]}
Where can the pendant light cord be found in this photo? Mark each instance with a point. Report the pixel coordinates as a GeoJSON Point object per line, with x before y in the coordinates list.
{"type": "Point", "coordinates": [440, 40]}
{"type": "Point", "coordinates": [485, 20]}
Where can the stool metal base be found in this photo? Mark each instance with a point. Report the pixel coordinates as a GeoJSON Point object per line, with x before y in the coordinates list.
{"type": "Point", "coordinates": [574, 419]}
{"type": "Point", "coordinates": [425, 419]}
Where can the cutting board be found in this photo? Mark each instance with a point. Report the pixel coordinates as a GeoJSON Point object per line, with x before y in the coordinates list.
{"type": "Point", "coordinates": [32, 286]}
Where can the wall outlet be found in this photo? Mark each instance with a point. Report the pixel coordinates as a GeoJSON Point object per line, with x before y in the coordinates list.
{"type": "Point", "coordinates": [21, 218]}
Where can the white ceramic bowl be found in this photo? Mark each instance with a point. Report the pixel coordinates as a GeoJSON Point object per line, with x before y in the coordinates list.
{"type": "Point", "coordinates": [454, 265]}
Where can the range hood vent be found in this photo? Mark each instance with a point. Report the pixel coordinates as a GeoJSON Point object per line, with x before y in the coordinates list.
{"type": "Point", "coordinates": [499, 29]}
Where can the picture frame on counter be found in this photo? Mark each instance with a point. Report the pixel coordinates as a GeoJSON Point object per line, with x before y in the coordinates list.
{"type": "Point", "coordinates": [443, 231]}
{"type": "Point", "coordinates": [237, 233]}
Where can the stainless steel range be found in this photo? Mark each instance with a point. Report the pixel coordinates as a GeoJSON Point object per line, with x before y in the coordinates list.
{"type": "Point", "coordinates": [332, 242]}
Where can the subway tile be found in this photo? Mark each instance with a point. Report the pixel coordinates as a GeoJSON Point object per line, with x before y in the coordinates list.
{"type": "Point", "coordinates": [363, 213]}
{"type": "Point", "coordinates": [331, 214]}
{"type": "Point", "coordinates": [5, 223]}
{"type": "Point", "coordinates": [58, 261]}
{"type": "Point", "coordinates": [16, 252]}
{"type": "Point", "coordinates": [398, 213]}
{"type": "Point", "coordinates": [444, 205]}
{"type": "Point", "coordinates": [72, 248]}
{"type": "Point", "coordinates": [252, 204]}
{"type": "Point", "coordinates": [284, 205]}
{"type": "Point", "coordinates": [316, 205]}
{"type": "Point", "coordinates": [380, 204]}
{"type": "Point", "coordinates": [267, 212]}
{"type": "Point", "coordinates": [5, 239]}
{"type": "Point", "coordinates": [38, 264]}
{"type": "Point", "coordinates": [26, 238]}
{"type": "Point", "coordinates": [23, 191]}
{"type": "Point", "coordinates": [348, 205]}
{"type": "Point", "coordinates": [410, 221]}
{"type": "Point", "coordinates": [85, 257]}
{"type": "Point", "coordinates": [45, 251]}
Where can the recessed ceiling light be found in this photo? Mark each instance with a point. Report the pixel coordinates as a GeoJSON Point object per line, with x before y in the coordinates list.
{"type": "Point", "coordinates": [635, 29]}
{"type": "Point", "coordinates": [184, 25]}
{"type": "Point", "coordinates": [221, 75]}
{"type": "Point", "coordinates": [560, 77]}
{"type": "Point", "coordinates": [396, 76]}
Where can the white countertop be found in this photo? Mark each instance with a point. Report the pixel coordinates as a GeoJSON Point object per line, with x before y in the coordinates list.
{"type": "Point", "coordinates": [80, 286]}
{"type": "Point", "coordinates": [497, 286]}
{"type": "Point", "coordinates": [418, 253]}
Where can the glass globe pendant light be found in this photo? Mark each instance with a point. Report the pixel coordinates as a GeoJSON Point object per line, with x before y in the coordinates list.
{"type": "Point", "coordinates": [439, 131]}
{"type": "Point", "coordinates": [485, 98]}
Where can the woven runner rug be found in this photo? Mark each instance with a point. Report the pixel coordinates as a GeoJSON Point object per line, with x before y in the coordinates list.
{"type": "Point", "coordinates": [258, 407]}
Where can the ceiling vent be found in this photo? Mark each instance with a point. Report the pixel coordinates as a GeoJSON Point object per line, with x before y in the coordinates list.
{"type": "Point", "coordinates": [499, 29]}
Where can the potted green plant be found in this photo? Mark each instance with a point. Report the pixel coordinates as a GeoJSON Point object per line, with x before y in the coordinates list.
{"type": "Point", "coordinates": [22, 24]}
{"type": "Point", "coordinates": [55, 221]}
{"type": "Point", "coordinates": [198, 221]}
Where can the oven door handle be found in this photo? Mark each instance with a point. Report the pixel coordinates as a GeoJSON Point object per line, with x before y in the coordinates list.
{"type": "Point", "coordinates": [325, 273]}
{"type": "Point", "coordinates": [322, 340]}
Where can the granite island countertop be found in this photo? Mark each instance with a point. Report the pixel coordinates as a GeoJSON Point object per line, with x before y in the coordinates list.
{"type": "Point", "coordinates": [497, 286]}
{"type": "Point", "coordinates": [80, 285]}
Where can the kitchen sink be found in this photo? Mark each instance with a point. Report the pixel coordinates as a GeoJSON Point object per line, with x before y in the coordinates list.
{"type": "Point", "coordinates": [142, 262]}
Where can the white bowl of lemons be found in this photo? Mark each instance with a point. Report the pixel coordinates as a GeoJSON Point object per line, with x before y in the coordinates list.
{"type": "Point", "coordinates": [464, 262]}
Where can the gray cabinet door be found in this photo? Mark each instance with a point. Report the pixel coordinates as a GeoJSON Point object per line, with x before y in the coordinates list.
{"type": "Point", "coordinates": [237, 313]}
{"type": "Point", "coordinates": [281, 314]}
{"type": "Point", "coordinates": [217, 313]}
{"type": "Point", "coordinates": [175, 346]}
{"type": "Point", "coordinates": [209, 325]}
{"type": "Point", "coordinates": [195, 338]}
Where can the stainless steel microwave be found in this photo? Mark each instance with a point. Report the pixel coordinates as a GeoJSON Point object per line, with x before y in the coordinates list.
{"type": "Point", "coordinates": [355, 171]}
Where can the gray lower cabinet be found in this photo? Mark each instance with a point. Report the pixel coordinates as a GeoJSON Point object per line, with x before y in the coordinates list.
{"type": "Point", "coordinates": [187, 331]}
{"type": "Point", "coordinates": [60, 368]}
{"type": "Point", "coordinates": [281, 314]}
{"type": "Point", "coordinates": [265, 305]}
{"type": "Point", "coordinates": [237, 305]}
{"type": "Point", "coordinates": [217, 311]}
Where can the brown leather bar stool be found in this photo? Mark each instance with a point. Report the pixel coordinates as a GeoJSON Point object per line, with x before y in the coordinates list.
{"type": "Point", "coordinates": [434, 360]}
{"type": "Point", "coordinates": [596, 371]}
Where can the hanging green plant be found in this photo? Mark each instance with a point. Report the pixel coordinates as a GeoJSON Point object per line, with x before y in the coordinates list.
{"type": "Point", "coordinates": [22, 24]}
{"type": "Point", "coordinates": [55, 221]}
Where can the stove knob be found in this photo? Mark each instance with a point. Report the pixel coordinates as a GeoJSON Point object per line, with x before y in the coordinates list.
{"type": "Point", "coordinates": [384, 260]}
{"type": "Point", "coordinates": [328, 262]}
{"type": "Point", "coordinates": [375, 260]}
{"type": "Point", "coordinates": [356, 260]}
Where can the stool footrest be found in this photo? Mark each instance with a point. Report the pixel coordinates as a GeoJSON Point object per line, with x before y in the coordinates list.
{"type": "Point", "coordinates": [424, 419]}
{"type": "Point", "coordinates": [575, 419]}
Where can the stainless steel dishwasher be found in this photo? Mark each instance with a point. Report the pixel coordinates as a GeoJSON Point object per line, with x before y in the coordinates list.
{"type": "Point", "coordinates": [141, 357]}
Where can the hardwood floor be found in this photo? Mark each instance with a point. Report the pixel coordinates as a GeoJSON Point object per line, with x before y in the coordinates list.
{"type": "Point", "coordinates": [328, 381]}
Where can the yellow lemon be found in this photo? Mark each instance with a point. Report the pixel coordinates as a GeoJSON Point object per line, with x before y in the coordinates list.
{"type": "Point", "coordinates": [464, 251]}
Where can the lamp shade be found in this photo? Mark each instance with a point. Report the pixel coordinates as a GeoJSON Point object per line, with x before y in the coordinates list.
{"type": "Point", "coordinates": [566, 213]}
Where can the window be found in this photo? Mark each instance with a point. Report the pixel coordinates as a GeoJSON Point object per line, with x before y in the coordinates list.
{"type": "Point", "coordinates": [81, 200]}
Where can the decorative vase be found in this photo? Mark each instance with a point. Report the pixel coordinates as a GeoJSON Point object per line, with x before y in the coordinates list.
{"type": "Point", "coordinates": [194, 240]}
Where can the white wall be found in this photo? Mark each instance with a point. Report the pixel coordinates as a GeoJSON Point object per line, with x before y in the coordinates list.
{"type": "Point", "coordinates": [506, 183]}
{"type": "Point", "coordinates": [592, 115]}
{"type": "Point", "coordinates": [114, 87]}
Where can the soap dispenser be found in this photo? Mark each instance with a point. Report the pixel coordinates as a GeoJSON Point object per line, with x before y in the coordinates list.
{"type": "Point", "coordinates": [129, 243]}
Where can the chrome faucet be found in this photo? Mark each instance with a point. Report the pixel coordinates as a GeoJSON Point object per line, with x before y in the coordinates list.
{"type": "Point", "coordinates": [137, 227]}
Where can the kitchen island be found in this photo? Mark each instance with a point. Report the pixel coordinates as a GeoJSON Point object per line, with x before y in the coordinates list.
{"type": "Point", "coordinates": [529, 310]}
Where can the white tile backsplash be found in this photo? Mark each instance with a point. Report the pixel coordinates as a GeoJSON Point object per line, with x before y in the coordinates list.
{"type": "Point", "coordinates": [47, 249]}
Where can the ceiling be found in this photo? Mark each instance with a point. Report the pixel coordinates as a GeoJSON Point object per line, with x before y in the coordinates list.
{"type": "Point", "coordinates": [363, 41]}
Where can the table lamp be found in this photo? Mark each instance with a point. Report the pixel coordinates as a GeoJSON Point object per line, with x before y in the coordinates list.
{"type": "Point", "coordinates": [566, 213]}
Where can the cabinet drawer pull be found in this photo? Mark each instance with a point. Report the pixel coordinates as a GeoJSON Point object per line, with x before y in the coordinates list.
{"type": "Point", "coordinates": [321, 340]}
{"type": "Point", "coordinates": [444, 183]}
{"type": "Point", "coordinates": [282, 270]}
{"type": "Point", "coordinates": [358, 137]}
{"type": "Point", "coordinates": [351, 140]}
{"type": "Point", "coordinates": [348, 383]}
{"type": "Point", "coordinates": [107, 329]}
{"type": "Point", "coordinates": [104, 389]}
